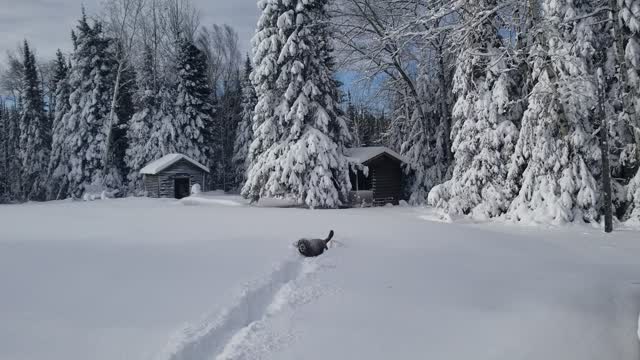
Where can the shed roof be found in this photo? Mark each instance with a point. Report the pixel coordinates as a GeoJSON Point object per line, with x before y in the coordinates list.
{"type": "Point", "coordinates": [156, 166]}
{"type": "Point", "coordinates": [362, 155]}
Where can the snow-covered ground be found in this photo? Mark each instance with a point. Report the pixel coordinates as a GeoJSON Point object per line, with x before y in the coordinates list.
{"type": "Point", "coordinates": [212, 278]}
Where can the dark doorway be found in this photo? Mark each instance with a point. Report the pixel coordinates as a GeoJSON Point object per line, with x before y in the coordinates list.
{"type": "Point", "coordinates": [181, 186]}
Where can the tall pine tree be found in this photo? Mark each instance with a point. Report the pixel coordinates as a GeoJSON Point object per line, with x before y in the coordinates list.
{"type": "Point", "coordinates": [82, 128]}
{"type": "Point", "coordinates": [124, 111]}
{"type": "Point", "coordinates": [484, 132]}
{"type": "Point", "coordinates": [297, 152]}
{"type": "Point", "coordinates": [244, 132]}
{"type": "Point", "coordinates": [56, 184]}
{"type": "Point", "coordinates": [193, 111]}
{"type": "Point", "coordinates": [35, 132]}
{"type": "Point", "coordinates": [629, 50]}
{"type": "Point", "coordinates": [4, 156]}
{"type": "Point", "coordinates": [228, 115]}
{"type": "Point", "coordinates": [554, 170]}
{"type": "Point", "coordinates": [141, 149]}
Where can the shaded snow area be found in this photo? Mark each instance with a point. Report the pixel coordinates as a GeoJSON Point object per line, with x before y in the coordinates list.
{"type": "Point", "coordinates": [165, 280]}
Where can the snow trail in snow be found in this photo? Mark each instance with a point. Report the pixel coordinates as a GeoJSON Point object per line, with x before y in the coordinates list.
{"type": "Point", "coordinates": [221, 335]}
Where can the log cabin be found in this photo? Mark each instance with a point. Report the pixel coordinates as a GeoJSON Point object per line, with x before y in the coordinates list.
{"type": "Point", "coordinates": [376, 176]}
{"type": "Point", "coordinates": [172, 176]}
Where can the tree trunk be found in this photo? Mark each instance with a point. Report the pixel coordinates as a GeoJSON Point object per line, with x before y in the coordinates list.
{"type": "Point", "coordinates": [444, 108]}
{"type": "Point", "coordinates": [604, 150]}
{"type": "Point", "coordinates": [114, 101]}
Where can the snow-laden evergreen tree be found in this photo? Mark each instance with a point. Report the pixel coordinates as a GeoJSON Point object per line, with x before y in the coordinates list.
{"type": "Point", "coordinates": [610, 39]}
{"type": "Point", "coordinates": [299, 131]}
{"type": "Point", "coordinates": [422, 147]}
{"type": "Point", "coordinates": [61, 84]}
{"type": "Point", "coordinates": [13, 164]}
{"type": "Point", "coordinates": [554, 170]}
{"type": "Point", "coordinates": [484, 132]}
{"type": "Point", "coordinates": [35, 132]}
{"type": "Point", "coordinates": [124, 112]}
{"type": "Point", "coordinates": [9, 148]}
{"type": "Point", "coordinates": [193, 111]}
{"type": "Point", "coordinates": [424, 144]}
{"type": "Point", "coordinates": [4, 154]}
{"type": "Point", "coordinates": [141, 149]}
{"type": "Point", "coordinates": [83, 126]}
{"type": "Point", "coordinates": [244, 132]}
{"type": "Point", "coordinates": [629, 47]}
{"type": "Point", "coordinates": [228, 117]}
{"type": "Point", "coordinates": [165, 130]}
{"type": "Point", "coordinates": [57, 184]}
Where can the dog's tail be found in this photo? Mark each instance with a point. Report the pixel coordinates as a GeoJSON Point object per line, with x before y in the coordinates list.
{"type": "Point", "coordinates": [326, 241]}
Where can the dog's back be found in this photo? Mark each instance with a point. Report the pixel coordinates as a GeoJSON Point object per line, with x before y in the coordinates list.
{"type": "Point", "coordinates": [314, 247]}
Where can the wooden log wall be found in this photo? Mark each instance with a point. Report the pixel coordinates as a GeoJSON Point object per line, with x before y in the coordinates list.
{"type": "Point", "coordinates": [151, 186]}
{"type": "Point", "coordinates": [386, 178]}
{"type": "Point", "coordinates": [163, 185]}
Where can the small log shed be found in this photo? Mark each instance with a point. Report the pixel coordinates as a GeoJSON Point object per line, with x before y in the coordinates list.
{"type": "Point", "coordinates": [172, 176]}
{"type": "Point", "coordinates": [376, 175]}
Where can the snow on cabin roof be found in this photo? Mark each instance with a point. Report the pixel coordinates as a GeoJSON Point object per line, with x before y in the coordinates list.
{"type": "Point", "coordinates": [156, 166]}
{"type": "Point", "coordinates": [363, 154]}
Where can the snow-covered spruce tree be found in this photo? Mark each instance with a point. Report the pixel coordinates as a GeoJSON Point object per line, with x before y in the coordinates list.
{"type": "Point", "coordinates": [57, 184]}
{"type": "Point", "coordinates": [484, 115]}
{"type": "Point", "coordinates": [554, 170]}
{"type": "Point", "coordinates": [165, 130]}
{"type": "Point", "coordinates": [9, 148]}
{"type": "Point", "coordinates": [141, 149]}
{"type": "Point", "coordinates": [244, 132]}
{"type": "Point", "coordinates": [9, 162]}
{"type": "Point", "coordinates": [299, 131]}
{"type": "Point", "coordinates": [62, 91]}
{"type": "Point", "coordinates": [425, 143]}
{"type": "Point", "coordinates": [124, 112]}
{"type": "Point", "coordinates": [35, 132]}
{"type": "Point", "coordinates": [12, 165]}
{"type": "Point", "coordinates": [193, 112]}
{"type": "Point", "coordinates": [4, 156]}
{"type": "Point", "coordinates": [83, 126]}
{"type": "Point", "coordinates": [610, 40]}
{"type": "Point", "coordinates": [228, 116]}
{"type": "Point", "coordinates": [423, 147]}
{"type": "Point", "coordinates": [629, 47]}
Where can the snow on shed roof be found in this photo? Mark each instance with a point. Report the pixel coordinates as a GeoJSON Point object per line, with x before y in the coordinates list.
{"type": "Point", "coordinates": [363, 154]}
{"type": "Point", "coordinates": [156, 166]}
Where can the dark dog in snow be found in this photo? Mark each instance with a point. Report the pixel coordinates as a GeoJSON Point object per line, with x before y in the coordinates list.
{"type": "Point", "coordinates": [313, 247]}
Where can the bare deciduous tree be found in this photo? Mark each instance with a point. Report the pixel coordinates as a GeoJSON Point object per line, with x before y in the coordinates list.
{"type": "Point", "coordinates": [123, 18]}
{"type": "Point", "coordinates": [220, 44]}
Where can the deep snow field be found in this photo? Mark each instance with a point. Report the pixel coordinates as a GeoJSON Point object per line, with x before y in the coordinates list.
{"type": "Point", "coordinates": [212, 278]}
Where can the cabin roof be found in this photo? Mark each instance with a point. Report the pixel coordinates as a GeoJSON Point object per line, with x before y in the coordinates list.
{"type": "Point", "coordinates": [363, 155]}
{"type": "Point", "coordinates": [156, 166]}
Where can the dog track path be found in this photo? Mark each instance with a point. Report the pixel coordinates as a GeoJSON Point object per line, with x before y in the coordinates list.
{"type": "Point", "coordinates": [220, 334]}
